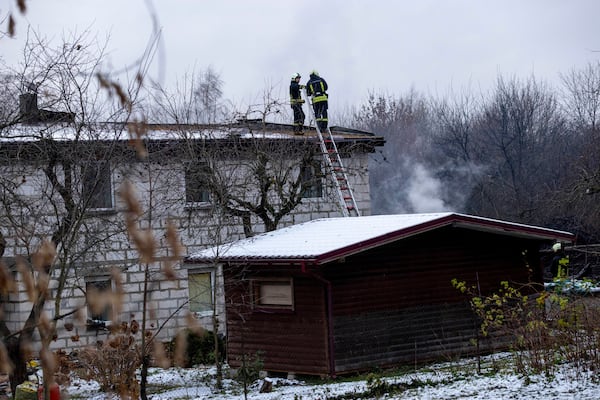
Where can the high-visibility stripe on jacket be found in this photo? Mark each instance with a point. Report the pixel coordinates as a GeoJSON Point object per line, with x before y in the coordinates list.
{"type": "Point", "coordinates": [295, 95]}
{"type": "Point", "coordinates": [319, 98]}
{"type": "Point", "coordinates": [316, 87]}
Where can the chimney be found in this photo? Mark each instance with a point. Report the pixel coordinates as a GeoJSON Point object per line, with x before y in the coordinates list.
{"type": "Point", "coordinates": [28, 107]}
{"type": "Point", "coordinates": [31, 114]}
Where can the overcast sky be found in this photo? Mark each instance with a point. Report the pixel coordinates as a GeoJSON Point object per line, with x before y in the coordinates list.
{"type": "Point", "coordinates": [358, 46]}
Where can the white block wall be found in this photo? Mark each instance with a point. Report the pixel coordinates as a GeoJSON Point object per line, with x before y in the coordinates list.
{"type": "Point", "coordinates": [163, 187]}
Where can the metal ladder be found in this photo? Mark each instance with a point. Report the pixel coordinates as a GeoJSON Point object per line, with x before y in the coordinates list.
{"type": "Point", "coordinates": [334, 165]}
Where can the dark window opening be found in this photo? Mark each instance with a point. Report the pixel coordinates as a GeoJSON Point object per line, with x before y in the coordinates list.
{"type": "Point", "coordinates": [312, 184]}
{"type": "Point", "coordinates": [97, 185]}
{"type": "Point", "coordinates": [197, 183]}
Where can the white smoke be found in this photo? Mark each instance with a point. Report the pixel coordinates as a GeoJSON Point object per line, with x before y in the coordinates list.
{"type": "Point", "coordinates": [424, 191]}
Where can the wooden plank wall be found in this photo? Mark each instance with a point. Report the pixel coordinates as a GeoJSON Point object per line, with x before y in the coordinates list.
{"type": "Point", "coordinates": [395, 304]}
{"type": "Point", "coordinates": [287, 341]}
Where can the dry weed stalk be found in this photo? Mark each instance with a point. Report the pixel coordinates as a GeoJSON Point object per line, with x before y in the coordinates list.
{"type": "Point", "coordinates": [137, 131]}
{"type": "Point", "coordinates": [44, 257]}
{"type": "Point", "coordinates": [7, 283]}
{"type": "Point", "coordinates": [27, 278]}
{"type": "Point", "coordinates": [159, 352]}
{"type": "Point", "coordinates": [181, 346]}
{"type": "Point", "coordinates": [6, 365]}
{"type": "Point", "coordinates": [142, 239]}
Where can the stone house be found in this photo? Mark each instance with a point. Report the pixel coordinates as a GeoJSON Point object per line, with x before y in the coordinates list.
{"type": "Point", "coordinates": [65, 181]}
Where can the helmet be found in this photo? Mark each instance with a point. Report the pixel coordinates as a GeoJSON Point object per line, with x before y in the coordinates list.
{"type": "Point", "coordinates": [556, 247]}
{"type": "Point", "coordinates": [295, 75]}
{"type": "Point", "coordinates": [314, 72]}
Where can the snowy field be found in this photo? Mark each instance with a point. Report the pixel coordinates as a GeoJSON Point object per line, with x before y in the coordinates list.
{"type": "Point", "coordinates": [439, 381]}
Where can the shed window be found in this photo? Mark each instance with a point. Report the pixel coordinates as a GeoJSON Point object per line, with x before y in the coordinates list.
{"type": "Point", "coordinates": [273, 293]}
{"type": "Point", "coordinates": [200, 291]}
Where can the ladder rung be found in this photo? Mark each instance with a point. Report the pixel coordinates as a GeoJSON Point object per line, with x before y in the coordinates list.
{"type": "Point", "coordinates": [335, 167]}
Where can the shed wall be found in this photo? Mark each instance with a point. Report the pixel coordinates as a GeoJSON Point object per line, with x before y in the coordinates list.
{"type": "Point", "coordinates": [396, 304]}
{"type": "Point", "coordinates": [286, 341]}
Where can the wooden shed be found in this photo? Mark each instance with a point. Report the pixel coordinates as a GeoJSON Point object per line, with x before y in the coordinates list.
{"type": "Point", "coordinates": [334, 296]}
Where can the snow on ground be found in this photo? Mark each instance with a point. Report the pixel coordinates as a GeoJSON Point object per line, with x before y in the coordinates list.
{"type": "Point", "coordinates": [439, 381]}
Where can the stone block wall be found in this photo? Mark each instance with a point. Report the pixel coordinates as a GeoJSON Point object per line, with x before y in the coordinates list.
{"type": "Point", "coordinates": [161, 190]}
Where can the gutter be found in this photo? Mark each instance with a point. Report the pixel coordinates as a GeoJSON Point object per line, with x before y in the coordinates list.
{"type": "Point", "coordinates": [330, 337]}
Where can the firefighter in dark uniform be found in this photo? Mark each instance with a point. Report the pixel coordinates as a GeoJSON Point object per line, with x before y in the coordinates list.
{"type": "Point", "coordinates": [317, 87]}
{"type": "Point", "coordinates": [296, 102]}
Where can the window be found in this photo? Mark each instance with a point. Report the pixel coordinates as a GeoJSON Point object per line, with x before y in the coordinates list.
{"type": "Point", "coordinates": [97, 185]}
{"type": "Point", "coordinates": [98, 295]}
{"type": "Point", "coordinates": [200, 292]}
{"type": "Point", "coordinates": [273, 293]}
{"type": "Point", "coordinates": [197, 183]}
{"type": "Point", "coordinates": [312, 186]}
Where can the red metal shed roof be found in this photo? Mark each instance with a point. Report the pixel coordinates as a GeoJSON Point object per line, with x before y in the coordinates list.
{"type": "Point", "coordinates": [324, 240]}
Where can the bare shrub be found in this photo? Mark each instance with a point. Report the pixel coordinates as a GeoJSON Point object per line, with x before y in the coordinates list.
{"type": "Point", "coordinates": [113, 364]}
{"type": "Point", "coordinates": [577, 332]}
{"type": "Point", "coordinates": [543, 328]}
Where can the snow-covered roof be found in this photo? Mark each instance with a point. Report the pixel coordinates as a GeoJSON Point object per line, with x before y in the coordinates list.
{"type": "Point", "coordinates": [119, 131]}
{"type": "Point", "coordinates": [323, 240]}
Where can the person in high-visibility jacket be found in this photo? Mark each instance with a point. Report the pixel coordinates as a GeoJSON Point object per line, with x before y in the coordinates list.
{"type": "Point", "coordinates": [560, 262]}
{"type": "Point", "coordinates": [296, 102]}
{"type": "Point", "coordinates": [316, 87]}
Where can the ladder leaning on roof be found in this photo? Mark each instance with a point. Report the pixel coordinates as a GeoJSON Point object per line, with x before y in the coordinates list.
{"type": "Point", "coordinates": [333, 163]}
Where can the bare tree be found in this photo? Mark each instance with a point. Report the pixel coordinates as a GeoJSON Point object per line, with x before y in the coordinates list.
{"type": "Point", "coordinates": [455, 146]}
{"type": "Point", "coordinates": [582, 101]}
{"type": "Point", "coordinates": [582, 96]}
{"type": "Point", "coordinates": [268, 185]}
{"type": "Point", "coordinates": [521, 137]}
{"type": "Point", "coordinates": [247, 173]}
{"type": "Point", "coordinates": [196, 99]}
{"type": "Point", "coordinates": [53, 180]}
{"type": "Point", "coordinates": [405, 123]}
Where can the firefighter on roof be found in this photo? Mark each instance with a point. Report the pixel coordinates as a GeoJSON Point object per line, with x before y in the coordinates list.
{"type": "Point", "coordinates": [296, 102]}
{"type": "Point", "coordinates": [317, 87]}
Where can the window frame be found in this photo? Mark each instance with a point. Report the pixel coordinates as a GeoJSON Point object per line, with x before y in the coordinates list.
{"type": "Point", "coordinates": [311, 181]}
{"type": "Point", "coordinates": [97, 182]}
{"type": "Point", "coordinates": [212, 294]}
{"type": "Point", "coordinates": [194, 173]}
{"type": "Point", "coordinates": [255, 289]}
{"type": "Point", "coordinates": [102, 322]}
